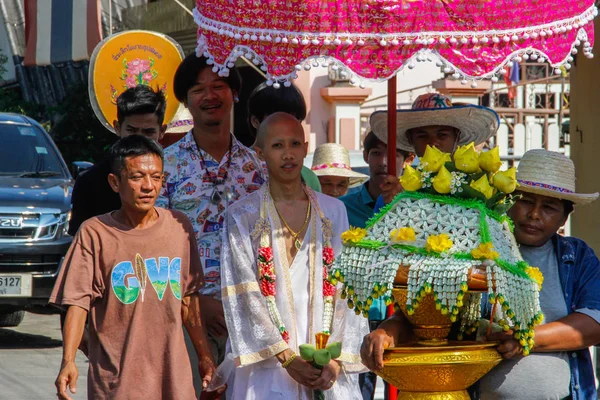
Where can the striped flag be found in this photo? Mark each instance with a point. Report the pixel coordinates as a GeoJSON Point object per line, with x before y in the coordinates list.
{"type": "Point", "coordinates": [61, 30]}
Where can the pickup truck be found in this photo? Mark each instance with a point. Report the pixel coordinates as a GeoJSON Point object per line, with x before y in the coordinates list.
{"type": "Point", "coordinates": [35, 204]}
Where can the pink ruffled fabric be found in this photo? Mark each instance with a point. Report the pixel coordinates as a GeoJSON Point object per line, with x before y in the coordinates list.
{"type": "Point", "coordinates": [376, 38]}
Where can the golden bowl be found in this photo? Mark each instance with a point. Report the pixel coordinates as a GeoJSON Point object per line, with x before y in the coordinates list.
{"type": "Point", "coordinates": [429, 325]}
{"type": "Point", "coordinates": [436, 373]}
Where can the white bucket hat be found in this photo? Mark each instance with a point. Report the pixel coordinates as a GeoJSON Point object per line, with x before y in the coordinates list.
{"type": "Point", "coordinates": [182, 122]}
{"type": "Point", "coordinates": [332, 159]}
{"type": "Point", "coordinates": [476, 123]}
{"type": "Point", "coordinates": [551, 174]}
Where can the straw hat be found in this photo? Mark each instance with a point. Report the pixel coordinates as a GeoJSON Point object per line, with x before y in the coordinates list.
{"type": "Point", "coordinates": [476, 123]}
{"type": "Point", "coordinates": [182, 122]}
{"type": "Point", "coordinates": [549, 173]}
{"type": "Point", "coordinates": [332, 159]}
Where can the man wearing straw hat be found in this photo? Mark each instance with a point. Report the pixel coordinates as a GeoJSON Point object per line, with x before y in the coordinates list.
{"type": "Point", "coordinates": [331, 164]}
{"type": "Point", "coordinates": [434, 121]}
{"type": "Point", "coordinates": [560, 365]}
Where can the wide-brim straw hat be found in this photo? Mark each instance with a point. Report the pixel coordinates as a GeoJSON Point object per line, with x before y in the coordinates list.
{"type": "Point", "coordinates": [551, 174]}
{"type": "Point", "coordinates": [475, 123]}
{"type": "Point", "coordinates": [332, 159]}
{"type": "Point", "coordinates": [182, 122]}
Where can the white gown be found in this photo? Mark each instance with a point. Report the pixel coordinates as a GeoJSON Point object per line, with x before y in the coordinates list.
{"type": "Point", "coordinates": [254, 339]}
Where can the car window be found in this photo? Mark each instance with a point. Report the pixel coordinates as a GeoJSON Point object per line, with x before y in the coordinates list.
{"type": "Point", "coordinates": [27, 150]}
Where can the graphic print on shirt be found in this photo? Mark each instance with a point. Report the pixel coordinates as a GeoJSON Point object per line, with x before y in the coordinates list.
{"type": "Point", "coordinates": [129, 279]}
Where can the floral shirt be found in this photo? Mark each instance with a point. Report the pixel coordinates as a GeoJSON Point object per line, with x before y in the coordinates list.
{"type": "Point", "coordinates": [188, 189]}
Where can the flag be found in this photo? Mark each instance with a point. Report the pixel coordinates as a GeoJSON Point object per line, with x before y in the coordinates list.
{"type": "Point", "coordinates": [512, 78]}
{"type": "Point", "coordinates": [61, 30]}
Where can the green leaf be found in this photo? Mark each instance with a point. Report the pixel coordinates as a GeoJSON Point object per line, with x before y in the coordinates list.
{"type": "Point", "coordinates": [451, 167]}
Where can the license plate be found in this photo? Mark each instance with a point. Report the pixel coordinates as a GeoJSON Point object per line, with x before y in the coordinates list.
{"type": "Point", "coordinates": [15, 285]}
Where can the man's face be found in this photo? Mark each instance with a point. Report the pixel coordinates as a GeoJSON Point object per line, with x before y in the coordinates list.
{"type": "Point", "coordinates": [139, 183]}
{"type": "Point", "coordinates": [141, 124]}
{"type": "Point", "coordinates": [334, 186]}
{"type": "Point", "coordinates": [210, 100]}
{"type": "Point", "coordinates": [442, 137]}
{"type": "Point", "coordinates": [377, 160]}
{"type": "Point", "coordinates": [537, 218]}
{"type": "Point", "coordinates": [284, 150]}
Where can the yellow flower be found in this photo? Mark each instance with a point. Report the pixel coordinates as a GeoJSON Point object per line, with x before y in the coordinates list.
{"type": "Point", "coordinates": [535, 274]}
{"type": "Point", "coordinates": [438, 243]}
{"type": "Point", "coordinates": [403, 234]}
{"type": "Point", "coordinates": [411, 179]}
{"type": "Point", "coordinates": [442, 181]}
{"type": "Point", "coordinates": [433, 159]}
{"type": "Point", "coordinates": [506, 181]}
{"type": "Point", "coordinates": [466, 158]}
{"type": "Point", "coordinates": [354, 235]}
{"type": "Point", "coordinates": [490, 160]}
{"type": "Point", "coordinates": [485, 251]}
{"type": "Point", "coordinates": [482, 185]}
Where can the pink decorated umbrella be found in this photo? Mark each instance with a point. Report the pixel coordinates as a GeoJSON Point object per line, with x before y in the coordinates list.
{"type": "Point", "coordinates": [374, 39]}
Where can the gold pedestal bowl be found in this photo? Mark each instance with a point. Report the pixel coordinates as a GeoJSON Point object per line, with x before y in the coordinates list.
{"type": "Point", "coordinates": [435, 368]}
{"type": "Point", "coordinates": [437, 373]}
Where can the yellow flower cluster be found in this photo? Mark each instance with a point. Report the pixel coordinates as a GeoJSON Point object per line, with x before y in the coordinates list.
{"type": "Point", "coordinates": [482, 185]}
{"type": "Point", "coordinates": [433, 159]}
{"type": "Point", "coordinates": [354, 235]}
{"type": "Point", "coordinates": [489, 161]}
{"type": "Point", "coordinates": [466, 158]}
{"type": "Point", "coordinates": [438, 243]}
{"type": "Point", "coordinates": [442, 182]}
{"type": "Point", "coordinates": [506, 181]}
{"type": "Point", "coordinates": [406, 234]}
{"type": "Point", "coordinates": [411, 179]}
{"type": "Point", "coordinates": [535, 274]}
{"type": "Point", "coordinates": [485, 251]}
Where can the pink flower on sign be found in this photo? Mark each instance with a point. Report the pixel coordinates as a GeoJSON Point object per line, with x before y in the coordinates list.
{"type": "Point", "coordinates": [138, 66]}
{"type": "Point", "coordinates": [147, 76]}
{"type": "Point", "coordinates": [130, 81]}
{"type": "Point", "coordinates": [144, 65]}
{"type": "Point", "coordinates": [133, 67]}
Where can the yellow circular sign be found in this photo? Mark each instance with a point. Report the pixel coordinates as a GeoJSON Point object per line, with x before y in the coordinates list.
{"type": "Point", "coordinates": [128, 59]}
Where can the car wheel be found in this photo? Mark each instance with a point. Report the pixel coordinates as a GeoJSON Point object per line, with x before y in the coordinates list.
{"type": "Point", "coordinates": [11, 319]}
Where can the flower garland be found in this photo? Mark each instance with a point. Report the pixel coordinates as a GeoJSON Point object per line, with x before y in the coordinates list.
{"type": "Point", "coordinates": [267, 277]}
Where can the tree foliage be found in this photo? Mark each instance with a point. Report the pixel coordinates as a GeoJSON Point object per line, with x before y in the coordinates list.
{"type": "Point", "coordinates": [78, 133]}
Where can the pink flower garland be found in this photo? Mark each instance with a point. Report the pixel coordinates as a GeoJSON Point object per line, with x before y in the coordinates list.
{"type": "Point", "coordinates": [267, 281]}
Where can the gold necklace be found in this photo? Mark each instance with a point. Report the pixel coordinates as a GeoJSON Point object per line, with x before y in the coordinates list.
{"type": "Point", "coordinates": [297, 241]}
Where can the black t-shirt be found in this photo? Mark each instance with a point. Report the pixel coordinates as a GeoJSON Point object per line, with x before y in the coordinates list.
{"type": "Point", "coordinates": [92, 196]}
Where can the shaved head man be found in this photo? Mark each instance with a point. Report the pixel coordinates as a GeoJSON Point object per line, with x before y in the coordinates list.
{"type": "Point", "coordinates": [296, 217]}
{"type": "Point", "coordinates": [280, 142]}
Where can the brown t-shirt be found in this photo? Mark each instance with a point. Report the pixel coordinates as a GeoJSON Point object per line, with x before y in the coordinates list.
{"type": "Point", "coordinates": [136, 343]}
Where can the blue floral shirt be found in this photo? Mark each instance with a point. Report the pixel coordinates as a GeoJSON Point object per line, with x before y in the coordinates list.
{"type": "Point", "coordinates": [188, 188]}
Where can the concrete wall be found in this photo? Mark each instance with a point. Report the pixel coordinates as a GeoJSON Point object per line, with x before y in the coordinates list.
{"type": "Point", "coordinates": [585, 143]}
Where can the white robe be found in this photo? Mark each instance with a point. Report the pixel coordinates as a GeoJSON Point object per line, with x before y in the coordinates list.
{"type": "Point", "coordinates": [254, 338]}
